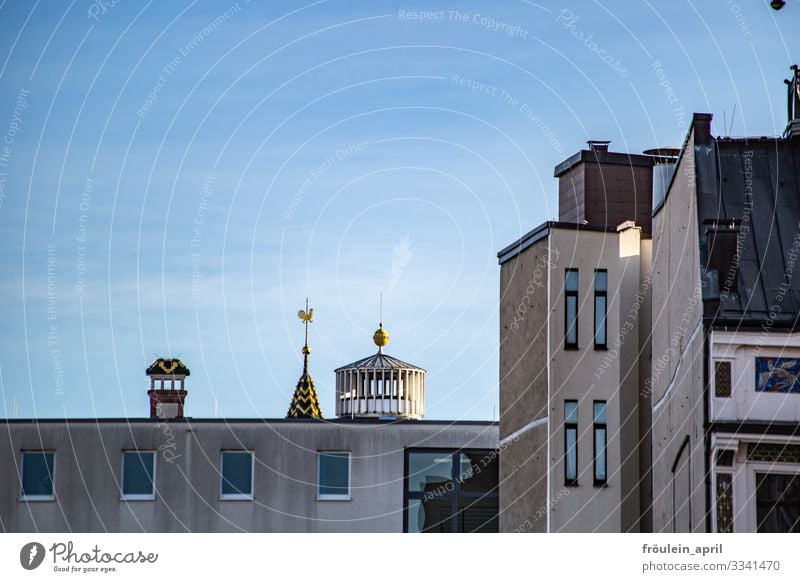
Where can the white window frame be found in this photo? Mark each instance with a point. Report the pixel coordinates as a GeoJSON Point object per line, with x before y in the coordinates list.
{"type": "Point", "coordinates": [329, 496]}
{"type": "Point", "coordinates": [136, 496]}
{"type": "Point", "coordinates": [22, 496]}
{"type": "Point", "coordinates": [237, 496]}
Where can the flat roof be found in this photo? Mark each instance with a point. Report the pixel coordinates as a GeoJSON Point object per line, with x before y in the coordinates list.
{"type": "Point", "coordinates": [618, 158]}
{"type": "Point", "coordinates": [191, 420]}
{"type": "Point", "coordinates": [540, 232]}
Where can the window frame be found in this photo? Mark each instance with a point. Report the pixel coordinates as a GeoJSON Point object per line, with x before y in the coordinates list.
{"type": "Point", "coordinates": [567, 295]}
{"type": "Point", "coordinates": [596, 426]}
{"type": "Point", "coordinates": [22, 495]}
{"type": "Point", "coordinates": [567, 427]}
{"type": "Point", "coordinates": [455, 494]}
{"type": "Point", "coordinates": [604, 295]}
{"type": "Point", "coordinates": [136, 496]}
{"type": "Point", "coordinates": [237, 496]}
{"type": "Point", "coordinates": [752, 469]}
{"type": "Point", "coordinates": [335, 496]}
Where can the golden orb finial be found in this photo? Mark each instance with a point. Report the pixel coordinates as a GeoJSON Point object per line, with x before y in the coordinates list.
{"type": "Point", "coordinates": [381, 337]}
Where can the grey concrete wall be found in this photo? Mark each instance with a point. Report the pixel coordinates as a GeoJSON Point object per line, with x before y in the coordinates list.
{"type": "Point", "coordinates": [645, 406]}
{"type": "Point", "coordinates": [677, 358]}
{"type": "Point", "coordinates": [523, 387]}
{"type": "Point", "coordinates": [523, 483]}
{"type": "Point", "coordinates": [88, 459]}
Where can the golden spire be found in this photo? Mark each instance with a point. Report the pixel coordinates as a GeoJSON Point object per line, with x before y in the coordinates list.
{"type": "Point", "coordinates": [305, 403]}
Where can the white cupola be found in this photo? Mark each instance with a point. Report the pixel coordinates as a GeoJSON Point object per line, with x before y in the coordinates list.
{"type": "Point", "coordinates": [380, 385]}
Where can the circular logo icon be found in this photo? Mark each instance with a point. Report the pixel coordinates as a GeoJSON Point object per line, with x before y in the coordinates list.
{"type": "Point", "coordinates": [31, 555]}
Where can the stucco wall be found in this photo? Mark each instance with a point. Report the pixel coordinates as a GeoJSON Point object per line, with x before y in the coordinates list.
{"type": "Point", "coordinates": [87, 471]}
{"type": "Point", "coordinates": [589, 374]}
{"type": "Point", "coordinates": [741, 349]}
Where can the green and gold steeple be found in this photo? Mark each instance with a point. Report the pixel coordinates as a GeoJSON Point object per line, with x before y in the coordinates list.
{"type": "Point", "coordinates": [305, 403]}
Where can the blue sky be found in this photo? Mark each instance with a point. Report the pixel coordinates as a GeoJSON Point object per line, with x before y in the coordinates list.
{"type": "Point", "coordinates": [180, 176]}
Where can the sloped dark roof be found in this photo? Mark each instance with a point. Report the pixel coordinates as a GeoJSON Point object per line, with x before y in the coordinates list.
{"type": "Point", "coordinates": [380, 361]}
{"type": "Point", "coordinates": [168, 366]}
{"type": "Point", "coordinates": [751, 186]}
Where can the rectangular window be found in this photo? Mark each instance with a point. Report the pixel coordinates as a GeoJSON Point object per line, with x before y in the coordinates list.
{"type": "Point", "coordinates": [571, 442]}
{"type": "Point", "coordinates": [722, 379]}
{"type": "Point", "coordinates": [138, 475]}
{"type": "Point", "coordinates": [333, 475]}
{"type": "Point", "coordinates": [36, 480]}
{"type": "Point", "coordinates": [600, 432]}
{"type": "Point", "coordinates": [600, 308]}
{"type": "Point", "coordinates": [571, 309]}
{"type": "Point", "coordinates": [236, 475]}
{"type": "Point", "coordinates": [451, 491]}
{"type": "Point", "coordinates": [777, 503]}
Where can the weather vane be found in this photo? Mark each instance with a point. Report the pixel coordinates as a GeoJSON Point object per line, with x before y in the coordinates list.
{"type": "Point", "coordinates": [305, 317]}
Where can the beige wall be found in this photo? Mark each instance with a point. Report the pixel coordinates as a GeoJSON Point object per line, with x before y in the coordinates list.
{"type": "Point", "coordinates": [588, 374]}
{"type": "Point", "coordinates": [677, 358]}
{"type": "Point", "coordinates": [532, 458]}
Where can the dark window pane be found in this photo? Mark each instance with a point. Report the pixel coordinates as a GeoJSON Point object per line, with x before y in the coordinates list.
{"type": "Point", "coordinates": [777, 503]}
{"type": "Point", "coordinates": [572, 320]}
{"type": "Point", "coordinates": [600, 320]}
{"type": "Point", "coordinates": [600, 281]}
{"type": "Point", "coordinates": [478, 515]}
{"type": "Point", "coordinates": [571, 281]}
{"type": "Point", "coordinates": [479, 472]}
{"type": "Point", "coordinates": [600, 412]}
{"type": "Point", "coordinates": [600, 455]}
{"type": "Point", "coordinates": [334, 474]}
{"type": "Point", "coordinates": [430, 472]}
{"type": "Point", "coordinates": [571, 469]}
{"type": "Point", "coordinates": [137, 473]}
{"type": "Point", "coordinates": [570, 412]}
{"type": "Point", "coordinates": [37, 474]}
{"type": "Point", "coordinates": [430, 515]}
{"type": "Point", "coordinates": [237, 473]}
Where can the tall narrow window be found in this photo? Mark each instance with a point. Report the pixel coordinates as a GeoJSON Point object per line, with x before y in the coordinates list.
{"type": "Point", "coordinates": [600, 432]}
{"type": "Point", "coordinates": [722, 379]}
{"type": "Point", "coordinates": [236, 475]}
{"type": "Point", "coordinates": [36, 480]}
{"type": "Point", "coordinates": [571, 309]}
{"type": "Point", "coordinates": [138, 475]}
{"type": "Point", "coordinates": [333, 476]}
{"type": "Point", "coordinates": [600, 300]}
{"type": "Point", "coordinates": [571, 442]}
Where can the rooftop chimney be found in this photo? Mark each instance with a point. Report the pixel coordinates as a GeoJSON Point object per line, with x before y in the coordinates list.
{"type": "Point", "coordinates": [598, 146]}
{"type": "Point", "coordinates": [605, 188]}
{"type": "Point", "coordinates": [167, 393]}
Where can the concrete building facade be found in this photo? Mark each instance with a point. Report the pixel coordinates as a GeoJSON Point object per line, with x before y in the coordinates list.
{"type": "Point", "coordinates": [87, 494]}
{"type": "Point", "coordinates": [726, 399]}
{"type": "Point", "coordinates": [574, 315]}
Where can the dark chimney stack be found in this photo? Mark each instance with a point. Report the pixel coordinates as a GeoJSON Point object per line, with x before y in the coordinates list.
{"type": "Point", "coordinates": [605, 189]}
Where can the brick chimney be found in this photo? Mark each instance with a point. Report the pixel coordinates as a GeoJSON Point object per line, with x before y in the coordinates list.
{"type": "Point", "coordinates": [167, 392]}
